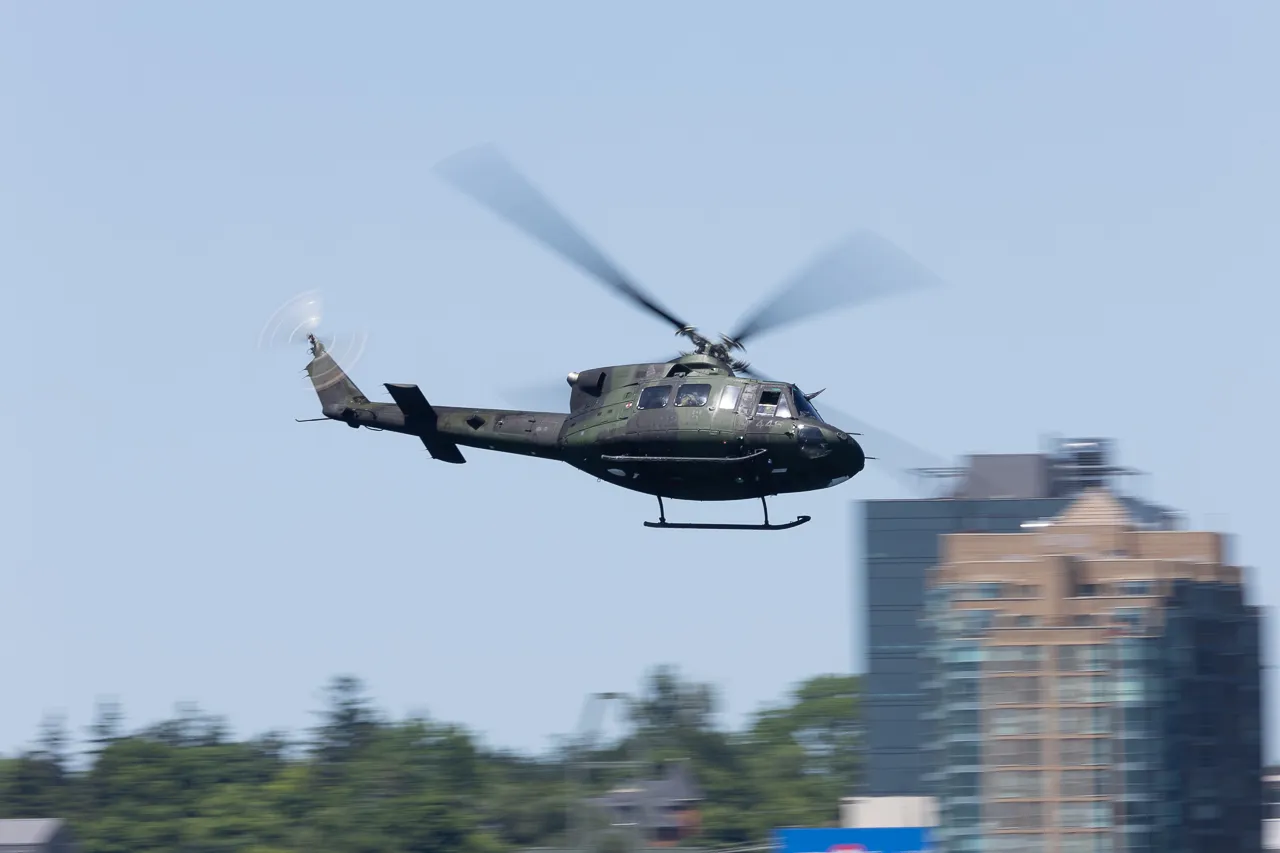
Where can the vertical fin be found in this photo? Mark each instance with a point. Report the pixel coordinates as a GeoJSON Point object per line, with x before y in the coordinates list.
{"type": "Point", "coordinates": [332, 385]}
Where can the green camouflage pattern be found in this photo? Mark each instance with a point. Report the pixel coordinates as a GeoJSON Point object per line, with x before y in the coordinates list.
{"type": "Point", "coordinates": [689, 429]}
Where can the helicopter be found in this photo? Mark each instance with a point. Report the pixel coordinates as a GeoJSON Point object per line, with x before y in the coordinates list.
{"type": "Point", "coordinates": [702, 425]}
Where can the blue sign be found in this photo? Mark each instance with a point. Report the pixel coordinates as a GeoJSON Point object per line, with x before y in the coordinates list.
{"type": "Point", "coordinates": [896, 840]}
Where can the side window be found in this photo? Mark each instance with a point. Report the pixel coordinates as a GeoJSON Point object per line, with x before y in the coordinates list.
{"type": "Point", "coordinates": [773, 404]}
{"type": "Point", "coordinates": [693, 395]}
{"type": "Point", "coordinates": [654, 397]}
{"type": "Point", "coordinates": [729, 397]}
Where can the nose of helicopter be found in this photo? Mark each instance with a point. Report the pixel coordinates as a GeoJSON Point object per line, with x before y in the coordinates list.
{"type": "Point", "coordinates": [850, 454]}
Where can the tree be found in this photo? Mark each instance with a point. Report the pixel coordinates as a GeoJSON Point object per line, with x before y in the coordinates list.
{"type": "Point", "coordinates": [369, 784]}
{"type": "Point", "coordinates": [349, 721]}
{"type": "Point", "coordinates": [107, 726]}
{"type": "Point", "coordinates": [822, 719]}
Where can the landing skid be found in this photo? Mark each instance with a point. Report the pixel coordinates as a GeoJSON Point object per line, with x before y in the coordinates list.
{"type": "Point", "coordinates": [687, 525]}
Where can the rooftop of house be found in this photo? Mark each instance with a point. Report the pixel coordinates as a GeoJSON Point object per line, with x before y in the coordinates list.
{"type": "Point", "coordinates": [650, 802]}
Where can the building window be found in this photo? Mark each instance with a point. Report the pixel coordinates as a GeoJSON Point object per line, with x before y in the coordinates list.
{"type": "Point", "coordinates": [963, 691]}
{"type": "Point", "coordinates": [964, 785]}
{"type": "Point", "coordinates": [1083, 752]}
{"type": "Point", "coordinates": [1015, 843]}
{"type": "Point", "coordinates": [1014, 753]}
{"type": "Point", "coordinates": [1083, 721]}
{"type": "Point", "coordinates": [1015, 784]}
{"type": "Point", "coordinates": [974, 621]}
{"type": "Point", "coordinates": [964, 753]}
{"type": "Point", "coordinates": [1081, 689]}
{"type": "Point", "coordinates": [1014, 658]}
{"type": "Point", "coordinates": [1128, 616]}
{"type": "Point", "coordinates": [1129, 690]}
{"type": "Point", "coordinates": [1014, 721]}
{"type": "Point", "coordinates": [962, 722]}
{"type": "Point", "coordinates": [1014, 815]}
{"type": "Point", "coordinates": [963, 653]}
{"type": "Point", "coordinates": [1012, 690]}
{"type": "Point", "coordinates": [1084, 815]}
{"type": "Point", "coordinates": [1087, 842]}
{"type": "Point", "coordinates": [1080, 658]}
{"type": "Point", "coordinates": [1084, 783]}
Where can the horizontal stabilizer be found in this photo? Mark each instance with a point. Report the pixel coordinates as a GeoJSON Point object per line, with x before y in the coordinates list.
{"type": "Point", "coordinates": [419, 415]}
{"type": "Point", "coordinates": [412, 402]}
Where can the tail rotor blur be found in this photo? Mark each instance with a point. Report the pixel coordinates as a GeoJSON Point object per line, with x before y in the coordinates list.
{"type": "Point", "coordinates": [296, 325]}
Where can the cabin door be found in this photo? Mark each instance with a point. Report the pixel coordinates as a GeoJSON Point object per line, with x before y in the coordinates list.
{"type": "Point", "coordinates": [737, 401]}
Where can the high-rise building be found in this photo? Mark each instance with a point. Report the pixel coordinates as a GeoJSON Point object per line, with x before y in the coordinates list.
{"type": "Point", "coordinates": [996, 493]}
{"type": "Point", "coordinates": [1094, 685]}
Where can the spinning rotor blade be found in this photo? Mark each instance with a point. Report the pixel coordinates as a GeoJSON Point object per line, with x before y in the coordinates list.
{"type": "Point", "coordinates": [487, 177]}
{"type": "Point", "coordinates": [860, 268]}
{"type": "Point", "coordinates": [903, 459]}
{"type": "Point", "coordinates": [292, 324]}
{"type": "Point", "coordinates": [906, 463]}
{"type": "Point", "coordinates": [545, 396]}
{"type": "Point", "coordinates": [900, 454]}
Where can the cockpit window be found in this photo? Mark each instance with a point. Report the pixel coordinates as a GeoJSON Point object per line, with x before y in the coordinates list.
{"type": "Point", "coordinates": [654, 397]}
{"type": "Point", "coordinates": [693, 394]}
{"type": "Point", "coordinates": [803, 406]}
{"type": "Point", "coordinates": [773, 403]}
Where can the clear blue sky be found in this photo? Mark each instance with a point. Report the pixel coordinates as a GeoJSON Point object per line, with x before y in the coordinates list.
{"type": "Point", "coordinates": [1097, 183]}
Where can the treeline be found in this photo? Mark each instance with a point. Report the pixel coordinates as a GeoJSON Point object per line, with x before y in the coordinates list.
{"type": "Point", "coordinates": [363, 783]}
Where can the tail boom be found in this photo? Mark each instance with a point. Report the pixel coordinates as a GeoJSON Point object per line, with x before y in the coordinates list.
{"type": "Point", "coordinates": [443, 430]}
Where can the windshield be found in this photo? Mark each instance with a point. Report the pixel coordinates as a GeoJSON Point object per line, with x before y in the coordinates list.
{"type": "Point", "coordinates": [804, 408]}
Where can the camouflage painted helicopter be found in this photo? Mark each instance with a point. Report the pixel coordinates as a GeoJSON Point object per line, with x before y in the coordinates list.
{"type": "Point", "coordinates": [700, 426]}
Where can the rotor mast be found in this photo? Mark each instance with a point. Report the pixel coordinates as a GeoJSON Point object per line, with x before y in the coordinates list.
{"type": "Point", "coordinates": [719, 350]}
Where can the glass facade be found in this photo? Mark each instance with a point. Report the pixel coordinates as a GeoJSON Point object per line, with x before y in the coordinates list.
{"type": "Point", "coordinates": [1205, 699]}
{"type": "Point", "coordinates": [1090, 688]}
{"type": "Point", "coordinates": [1141, 733]}
{"type": "Point", "coordinates": [1150, 742]}
{"type": "Point", "coordinates": [900, 545]}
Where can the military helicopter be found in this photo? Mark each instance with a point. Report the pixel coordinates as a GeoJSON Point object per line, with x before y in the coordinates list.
{"type": "Point", "coordinates": [699, 426]}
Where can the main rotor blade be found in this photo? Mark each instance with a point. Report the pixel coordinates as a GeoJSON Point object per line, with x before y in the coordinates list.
{"type": "Point", "coordinates": [910, 465]}
{"type": "Point", "coordinates": [490, 179]}
{"type": "Point", "coordinates": [860, 268]}
{"type": "Point", "coordinates": [904, 458]}
{"type": "Point", "coordinates": [901, 459]}
{"type": "Point", "coordinates": [545, 396]}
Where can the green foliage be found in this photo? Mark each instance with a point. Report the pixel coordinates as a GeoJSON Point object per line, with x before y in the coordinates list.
{"type": "Point", "coordinates": [366, 784]}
